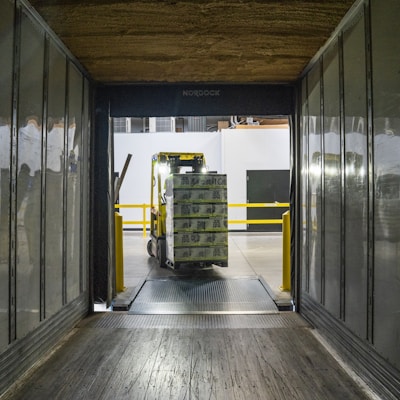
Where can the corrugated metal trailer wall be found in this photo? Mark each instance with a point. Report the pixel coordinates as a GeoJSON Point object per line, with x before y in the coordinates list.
{"type": "Point", "coordinates": [349, 223]}
{"type": "Point", "coordinates": [44, 133]}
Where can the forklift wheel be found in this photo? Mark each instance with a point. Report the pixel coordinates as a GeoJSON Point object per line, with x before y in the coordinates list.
{"type": "Point", "coordinates": [149, 246]}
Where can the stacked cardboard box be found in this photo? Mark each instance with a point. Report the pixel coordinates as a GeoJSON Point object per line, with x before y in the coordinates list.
{"type": "Point", "coordinates": [196, 219]}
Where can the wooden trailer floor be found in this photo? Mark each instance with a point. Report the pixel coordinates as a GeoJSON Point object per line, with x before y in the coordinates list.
{"type": "Point", "coordinates": [120, 356]}
{"type": "Point", "coordinates": [173, 346]}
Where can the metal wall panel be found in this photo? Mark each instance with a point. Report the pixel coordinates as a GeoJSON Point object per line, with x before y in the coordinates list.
{"type": "Point", "coordinates": [54, 180]}
{"type": "Point", "coordinates": [356, 174]}
{"type": "Point", "coordinates": [30, 134]}
{"type": "Point", "coordinates": [315, 181]}
{"type": "Point", "coordinates": [386, 125]}
{"type": "Point", "coordinates": [74, 188]}
{"type": "Point", "coordinates": [354, 233]}
{"type": "Point", "coordinates": [305, 206]}
{"type": "Point", "coordinates": [332, 180]}
{"type": "Point", "coordinates": [86, 189]}
{"type": "Point", "coordinates": [35, 110]}
{"type": "Point", "coordinates": [6, 51]}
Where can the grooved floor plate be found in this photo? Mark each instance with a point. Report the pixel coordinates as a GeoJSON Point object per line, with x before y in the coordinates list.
{"type": "Point", "coordinates": [261, 321]}
{"type": "Point", "coordinates": [221, 296]}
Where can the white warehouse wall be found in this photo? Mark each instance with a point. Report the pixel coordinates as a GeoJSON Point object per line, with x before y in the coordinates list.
{"type": "Point", "coordinates": [136, 186]}
{"type": "Point", "coordinates": [231, 151]}
{"type": "Point", "coordinates": [251, 149]}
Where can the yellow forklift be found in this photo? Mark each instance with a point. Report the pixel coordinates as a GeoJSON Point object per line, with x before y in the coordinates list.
{"type": "Point", "coordinates": [162, 166]}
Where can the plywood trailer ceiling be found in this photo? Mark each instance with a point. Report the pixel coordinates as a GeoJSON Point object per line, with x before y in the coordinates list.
{"type": "Point", "coordinates": [193, 41]}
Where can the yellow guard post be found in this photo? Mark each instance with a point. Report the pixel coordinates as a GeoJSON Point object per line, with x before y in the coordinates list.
{"type": "Point", "coordinates": [286, 251]}
{"type": "Point", "coordinates": [119, 254]}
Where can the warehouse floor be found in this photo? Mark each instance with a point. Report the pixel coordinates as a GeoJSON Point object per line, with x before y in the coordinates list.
{"type": "Point", "coordinates": [250, 255]}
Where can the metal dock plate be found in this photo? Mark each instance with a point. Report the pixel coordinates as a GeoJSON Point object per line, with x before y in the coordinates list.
{"type": "Point", "coordinates": [195, 296]}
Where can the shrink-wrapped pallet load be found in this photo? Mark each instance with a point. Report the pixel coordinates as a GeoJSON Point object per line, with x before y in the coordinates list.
{"type": "Point", "coordinates": [196, 219]}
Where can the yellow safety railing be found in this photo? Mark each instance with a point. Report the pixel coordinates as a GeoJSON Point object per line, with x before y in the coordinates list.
{"type": "Point", "coordinates": [258, 205]}
{"type": "Point", "coordinates": [144, 223]}
{"type": "Point", "coordinates": [285, 221]}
